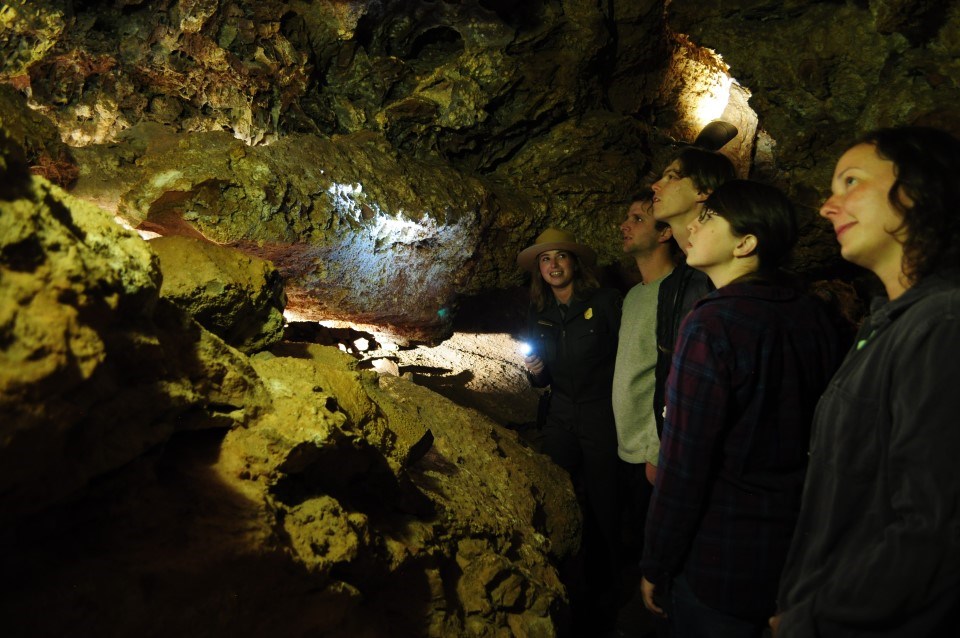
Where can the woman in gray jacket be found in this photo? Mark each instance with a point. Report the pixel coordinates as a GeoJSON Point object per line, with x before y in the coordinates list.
{"type": "Point", "coordinates": [876, 551]}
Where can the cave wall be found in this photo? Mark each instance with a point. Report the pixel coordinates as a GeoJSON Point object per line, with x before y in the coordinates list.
{"type": "Point", "coordinates": [155, 480]}
{"type": "Point", "coordinates": [379, 152]}
{"type": "Point", "coordinates": [392, 157]}
{"type": "Point", "coordinates": [389, 159]}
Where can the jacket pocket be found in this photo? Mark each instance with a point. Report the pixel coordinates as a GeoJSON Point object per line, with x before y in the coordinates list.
{"type": "Point", "coordinates": [849, 433]}
{"type": "Point", "coordinates": [591, 342]}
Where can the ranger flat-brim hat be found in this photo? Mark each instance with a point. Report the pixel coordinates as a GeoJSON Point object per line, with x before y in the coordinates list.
{"type": "Point", "coordinates": [554, 239]}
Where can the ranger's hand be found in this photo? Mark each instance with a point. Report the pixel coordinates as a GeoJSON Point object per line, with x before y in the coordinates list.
{"type": "Point", "coordinates": [534, 364]}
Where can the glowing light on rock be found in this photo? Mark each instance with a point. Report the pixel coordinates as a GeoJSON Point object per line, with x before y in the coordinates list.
{"type": "Point", "coordinates": [701, 83]}
{"type": "Point", "coordinates": [389, 252]}
{"type": "Point", "coordinates": [712, 100]}
{"type": "Point", "coordinates": [293, 315]}
{"type": "Point", "coordinates": [386, 366]}
{"type": "Point", "coordinates": [349, 200]}
{"type": "Point", "coordinates": [346, 200]}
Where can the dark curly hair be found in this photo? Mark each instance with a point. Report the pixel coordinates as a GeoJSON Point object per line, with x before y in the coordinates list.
{"type": "Point", "coordinates": [926, 192]}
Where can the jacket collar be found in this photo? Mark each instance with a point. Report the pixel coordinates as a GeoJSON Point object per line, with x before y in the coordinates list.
{"type": "Point", "coordinates": [575, 307]}
{"type": "Point", "coordinates": [752, 290]}
{"type": "Point", "coordinates": [883, 311]}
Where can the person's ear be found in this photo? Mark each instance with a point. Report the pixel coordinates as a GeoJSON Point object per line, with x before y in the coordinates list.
{"type": "Point", "coordinates": [746, 246]}
{"type": "Point", "coordinates": [665, 235]}
{"type": "Point", "coordinates": [703, 195]}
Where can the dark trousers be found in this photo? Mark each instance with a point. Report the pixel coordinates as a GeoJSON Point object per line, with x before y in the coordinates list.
{"type": "Point", "coordinates": [634, 498]}
{"type": "Point", "coordinates": [582, 439]}
{"type": "Point", "coordinates": [690, 618]}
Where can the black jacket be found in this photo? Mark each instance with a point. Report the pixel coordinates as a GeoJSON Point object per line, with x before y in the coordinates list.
{"type": "Point", "coordinates": [876, 551]}
{"type": "Point", "coordinates": [678, 292]}
{"type": "Point", "coordinates": [578, 346]}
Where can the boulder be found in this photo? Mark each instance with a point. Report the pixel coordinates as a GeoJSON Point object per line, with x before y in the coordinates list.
{"type": "Point", "coordinates": [91, 375]}
{"type": "Point", "coordinates": [156, 481]}
{"type": "Point", "coordinates": [238, 297]}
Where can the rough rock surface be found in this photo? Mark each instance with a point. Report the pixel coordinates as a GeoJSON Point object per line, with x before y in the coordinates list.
{"type": "Point", "coordinates": [821, 73]}
{"type": "Point", "coordinates": [235, 296]}
{"type": "Point", "coordinates": [391, 158]}
{"type": "Point", "coordinates": [155, 481]}
{"type": "Point", "coordinates": [88, 346]}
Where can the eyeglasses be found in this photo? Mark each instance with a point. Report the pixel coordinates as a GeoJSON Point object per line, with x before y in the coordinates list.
{"type": "Point", "coordinates": [706, 214]}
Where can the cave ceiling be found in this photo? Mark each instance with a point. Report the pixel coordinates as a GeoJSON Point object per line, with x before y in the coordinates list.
{"type": "Point", "coordinates": [391, 157]}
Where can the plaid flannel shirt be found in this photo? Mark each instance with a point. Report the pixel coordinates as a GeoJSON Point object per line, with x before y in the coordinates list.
{"type": "Point", "coordinates": [750, 363]}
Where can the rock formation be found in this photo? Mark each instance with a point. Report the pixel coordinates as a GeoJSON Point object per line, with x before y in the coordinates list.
{"type": "Point", "coordinates": [168, 462]}
{"type": "Point", "coordinates": [378, 153]}
{"type": "Point", "coordinates": [391, 158]}
{"type": "Point", "coordinates": [237, 297]}
{"type": "Point", "coordinates": [157, 481]}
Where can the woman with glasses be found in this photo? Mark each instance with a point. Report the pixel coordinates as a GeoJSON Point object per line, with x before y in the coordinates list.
{"type": "Point", "coordinates": [752, 358]}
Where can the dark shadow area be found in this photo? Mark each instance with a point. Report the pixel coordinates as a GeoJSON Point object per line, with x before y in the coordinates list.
{"type": "Point", "coordinates": [492, 404]}
{"type": "Point", "coordinates": [456, 379]}
{"type": "Point", "coordinates": [436, 46]}
{"type": "Point", "coordinates": [163, 547]}
{"type": "Point", "coordinates": [493, 312]}
{"type": "Point", "coordinates": [520, 15]}
{"type": "Point", "coordinates": [313, 332]}
{"type": "Point", "coordinates": [355, 474]}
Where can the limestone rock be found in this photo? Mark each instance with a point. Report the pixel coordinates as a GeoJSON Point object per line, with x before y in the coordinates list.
{"type": "Point", "coordinates": [354, 232]}
{"type": "Point", "coordinates": [484, 519]}
{"type": "Point", "coordinates": [38, 138]}
{"type": "Point", "coordinates": [814, 89]}
{"type": "Point", "coordinates": [235, 296]}
{"type": "Point", "coordinates": [81, 319]}
{"type": "Point", "coordinates": [323, 379]}
{"type": "Point", "coordinates": [156, 481]}
{"type": "Point", "coordinates": [378, 197]}
{"type": "Point", "coordinates": [300, 523]}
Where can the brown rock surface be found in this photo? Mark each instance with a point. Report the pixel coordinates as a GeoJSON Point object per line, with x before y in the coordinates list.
{"type": "Point", "coordinates": [155, 481]}
{"type": "Point", "coordinates": [87, 346]}
{"type": "Point", "coordinates": [390, 159]}
{"type": "Point", "coordinates": [236, 296]}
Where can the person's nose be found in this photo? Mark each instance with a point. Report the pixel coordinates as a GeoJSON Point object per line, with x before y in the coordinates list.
{"type": "Point", "coordinates": [830, 207]}
{"type": "Point", "coordinates": [693, 226]}
{"type": "Point", "coordinates": [656, 186]}
{"type": "Point", "coordinates": [623, 225]}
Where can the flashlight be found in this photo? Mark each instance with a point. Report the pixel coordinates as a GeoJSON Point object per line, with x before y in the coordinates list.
{"type": "Point", "coordinates": [525, 348]}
